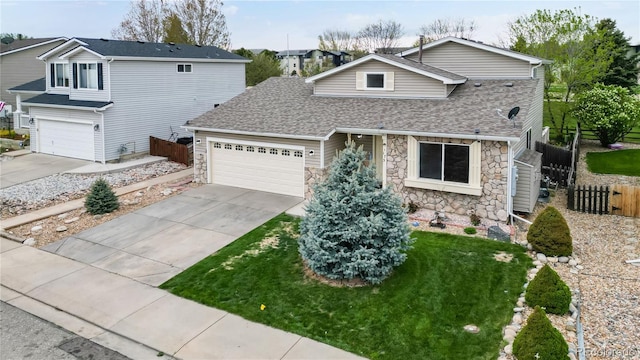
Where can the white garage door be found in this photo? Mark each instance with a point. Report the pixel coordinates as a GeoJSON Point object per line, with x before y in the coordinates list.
{"type": "Point", "coordinates": [273, 168]}
{"type": "Point", "coordinates": [65, 138]}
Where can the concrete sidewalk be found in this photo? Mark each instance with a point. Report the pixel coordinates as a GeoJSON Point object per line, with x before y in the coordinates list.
{"type": "Point", "coordinates": [135, 319]}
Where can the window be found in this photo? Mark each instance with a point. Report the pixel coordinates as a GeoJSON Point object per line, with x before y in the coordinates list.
{"type": "Point", "coordinates": [286, 153]}
{"type": "Point", "coordinates": [228, 146]}
{"type": "Point", "coordinates": [184, 68]}
{"type": "Point", "coordinates": [444, 162]}
{"type": "Point", "coordinates": [273, 151]}
{"type": "Point", "coordinates": [88, 76]}
{"type": "Point", "coordinates": [375, 81]}
{"type": "Point", "coordinates": [262, 150]}
{"type": "Point", "coordinates": [297, 153]}
{"type": "Point", "coordinates": [250, 149]}
{"type": "Point", "coordinates": [239, 148]}
{"type": "Point", "coordinates": [217, 145]}
{"type": "Point", "coordinates": [62, 75]}
{"type": "Point", "coordinates": [529, 139]}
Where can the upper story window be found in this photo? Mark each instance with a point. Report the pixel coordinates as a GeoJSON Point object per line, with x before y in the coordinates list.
{"type": "Point", "coordinates": [88, 75]}
{"type": "Point", "coordinates": [185, 68]}
{"type": "Point", "coordinates": [375, 81]}
{"type": "Point", "coordinates": [61, 75]}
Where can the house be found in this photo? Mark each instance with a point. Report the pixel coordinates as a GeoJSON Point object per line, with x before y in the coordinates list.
{"type": "Point", "coordinates": [438, 131]}
{"type": "Point", "coordinates": [18, 65]}
{"type": "Point", "coordinates": [104, 98]}
{"type": "Point", "coordinates": [298, 60]}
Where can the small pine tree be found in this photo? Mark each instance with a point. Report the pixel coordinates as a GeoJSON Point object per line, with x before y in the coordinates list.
{"type": "Point", "coordinates": [101, 198]}
{"type": "Point", "coordinates": [550, 234]}
{"type": "Point", "coordinates": [539, 339]}
{"type": "Point", "coordinates": [353, 228]}
{"type": "Point", "coordinates": [549, 291]}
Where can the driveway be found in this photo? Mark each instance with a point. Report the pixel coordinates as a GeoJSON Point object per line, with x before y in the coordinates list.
{"type": "Point", "coordinates": [35, 166]}
{"type": "Point", "coordinates": [153, 244]}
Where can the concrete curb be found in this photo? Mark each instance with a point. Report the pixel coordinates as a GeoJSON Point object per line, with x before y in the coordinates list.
{"type": "Point", "coordinates": [78, 203]}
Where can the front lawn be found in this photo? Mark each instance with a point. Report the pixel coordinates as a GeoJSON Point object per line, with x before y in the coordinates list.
{"type": "Point", "coordinates": [418, 313]}
{"type": "Point", "coordinates": [621, 162]}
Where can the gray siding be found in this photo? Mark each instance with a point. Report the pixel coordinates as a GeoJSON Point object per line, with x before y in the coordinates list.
{"type": "Point", "coordinates": [473, 63]}
{"type": "Point", "coordinates": [89, 94]}
{"type": "Point", "coordinates": [533, 119]}
{"type": "Point", "coordinates": [150, 97]}
{"type": "Point", "coordinates": [309, 161]}
{"type": "Point", "coordinates": [406, 84]}
{"type": "Point", "coordinates": [19, 68]}
{"type": "Point", "coordinates": [528, 186]}
{"type": "Point", "coordinates": [336, 142]}
{"type": "Point", "coordinates": [68, 114]}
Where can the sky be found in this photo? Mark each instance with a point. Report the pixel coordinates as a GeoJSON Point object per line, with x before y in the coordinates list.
{"type": "Point", "coordinates": [278, 25]}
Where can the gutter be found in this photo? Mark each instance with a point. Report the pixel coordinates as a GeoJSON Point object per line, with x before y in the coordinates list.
{"type": "Point", "coordinates": [419, 133]}
{"type": "Point", "coordinates": [68, 106]}
{"type": "Point", "coordinates": [240, 132]}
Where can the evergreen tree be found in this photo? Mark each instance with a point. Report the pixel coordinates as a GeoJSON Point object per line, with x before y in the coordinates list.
{"type": "Point", "coordinates": [623, 70]}
{"type": "Point", "coordinates": [101, 198]}
{"type": "Point", "coordinates": [174, 32]}
{"type": "Point", "coordinates": [353, 228]}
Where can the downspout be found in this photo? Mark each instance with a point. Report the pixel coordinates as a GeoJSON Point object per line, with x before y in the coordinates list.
{"type": "Point", "coordinates": [109, 80]}
{"type": "Point", "coordinates": [509, 185]}
{"type": "Point", "coordinates": [534, 68]}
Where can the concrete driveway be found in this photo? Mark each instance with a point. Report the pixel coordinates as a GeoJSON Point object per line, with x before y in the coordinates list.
{"type": "Point", "coordinates": [35, 166]}
{"type": "Point", "coordinates": [153, 244]}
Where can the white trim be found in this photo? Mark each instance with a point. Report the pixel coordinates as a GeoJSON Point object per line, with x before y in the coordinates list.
{"type": "Point", "coordinates": [370, 57]}
{"type": "Point", "coordinates": [384, 160]}
{"type": "Point", "coordinates": [54, 106]}
{"type": "Point", "coordinates": [322, 154]}
{"type": "Point", "coordinates": [60, 47]}
{"type": "Point", "coordinates": [184, 68]}
{"type": "Point", "coordinates": [78, 74]}
{"type": "Point", "coordinates": [141, 58]}
{"type": "Point", "coordinates": [25, 91]}
{"type": "Point", "coordinates": [431, 134]}
{"type": "Point", "coordinates": [443, 186]}
{"type": "Point", "coordinates": [523, 163]}
{"type": "Point", "coordinates": [255, 143]}
{"type": "Point", "coordinates": [34, 46]}
{"type": "Point", "coordinates": [53, 118]}
{"type": "Point", "coordinates": [104, 130]}
{"type": "Point", "coordinates": [55, 74]}
{"type": "Point", "coordinates": [477, 45]}
{"type": "Point", "coordinates": [366, 80]}
{"type": "Point", "coordinates": [79, 48]}
{"type": "Point", "coordinates": [240, 132]}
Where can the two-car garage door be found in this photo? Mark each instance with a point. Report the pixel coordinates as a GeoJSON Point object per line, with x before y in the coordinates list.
{"type": "Point", "coordinates": [66, 138]}
{"type": "Point", "coordinates": [276, 168]}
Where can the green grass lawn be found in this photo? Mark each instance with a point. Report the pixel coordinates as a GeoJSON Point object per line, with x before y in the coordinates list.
{"type": "Point", "coordinates": [621, 162]}
{"type": "Point", "coordinates": [417, 313]}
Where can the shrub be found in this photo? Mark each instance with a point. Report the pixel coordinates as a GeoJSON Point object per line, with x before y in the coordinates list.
{"type": "Point", "coordinates": [101, 198]}
{"type": "Point", "coordinates": [549, 234]}
{"type": "Point", "coordinates": [549, 291]}
{"type": "Point", "coordinates": [470, 230]}
{"type": "Point", "coordinates": [475, 219]}
{"type": "Point", "coordinates": [352, 228]}
{"type": "Point", "coordinates": [538, 339]}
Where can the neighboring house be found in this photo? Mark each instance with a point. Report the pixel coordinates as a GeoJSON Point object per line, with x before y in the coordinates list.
{"type": "Point", "coordinates": [19, 65]}
{"type": "Point", "coordinates": [437, 131]}
{"type": "Point", "coordinates": [297, 60]}
{"type": "Point", "coordinates": [104, 98]}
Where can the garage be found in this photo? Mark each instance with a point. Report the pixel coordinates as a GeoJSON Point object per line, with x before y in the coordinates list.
{"type": "Point", "coordinates": [275, 168]}
{"type": "Point", "coordinates": [66, 138]}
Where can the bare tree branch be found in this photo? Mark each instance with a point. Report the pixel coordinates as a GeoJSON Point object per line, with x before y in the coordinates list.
{"type": "Point", "coordinates": [336, 40]}
{"type": "Point", "coordinates": [381, 35]}
{"type": "Point", "coordinates": [143, 22]}
{"type": "Point", "coordinates": [204, 22]}
{"type": "Point", "coordinates": [441, 28]}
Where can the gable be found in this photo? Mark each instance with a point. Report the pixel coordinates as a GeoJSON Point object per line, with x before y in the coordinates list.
{"type": "Point", "coordinates": [473, 62]}
{"type": "Point", "coordinates": [399, 82]}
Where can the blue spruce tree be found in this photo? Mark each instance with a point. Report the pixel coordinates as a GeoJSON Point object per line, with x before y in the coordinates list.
{"type": "Point", "coordinates": [353, 228]}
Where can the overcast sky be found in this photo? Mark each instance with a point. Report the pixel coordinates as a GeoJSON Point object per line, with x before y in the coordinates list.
{"type": "Point", "coordinates": [268, 24]}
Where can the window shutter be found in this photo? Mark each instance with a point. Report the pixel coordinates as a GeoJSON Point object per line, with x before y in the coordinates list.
{"type": "Point", "coordinates": [52, 75]}
{"type": "Point", "coordinates": [412, 157]}
{"type": "Point", "coordinates": [389, 81]}
{"type": "Point", "coordinates": [100, 82]}
{"type": "Point", "coordinates": [359, 80]}
{"type": "Point", "coordinates": [475, 163]}
{"type": "Point", "coordinates": [75, 75]}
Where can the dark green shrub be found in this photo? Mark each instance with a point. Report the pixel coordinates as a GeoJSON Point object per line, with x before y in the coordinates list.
{"type": "Point", "coordinates": [548, 291]}
{"type": "Point", "coordinates": [475, 219]}
{"type": "Point", "coordinates": [470, 230]}
{"type": "Point", "coordinates": [539, 339]}
{"type": "Point", "coordinates": [101, 198]}
{"type": "Point", "coordinates": [549, 234]}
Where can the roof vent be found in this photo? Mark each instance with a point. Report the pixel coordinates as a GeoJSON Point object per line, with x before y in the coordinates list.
{"type": "Point", "coordinates": [178, 47]}
{"type": "Point", "coordinates": [170, 50]}
{"type": "Point", "coordinates": [103, 39]}
{"type": "Point", "coordinates": [140, 42]}
{"type": "Point", "coordinates": [171, 43]}
{"type": "Point", "coordinates": [198, 45]}
{"type": "Point", "coordinates": [476, 131]}
{"type": "Point", "coordinates": [477, 84]}
{"type": "Point", "coordinates": [508, 84]}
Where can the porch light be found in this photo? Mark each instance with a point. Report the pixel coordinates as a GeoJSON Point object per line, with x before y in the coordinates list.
{"type": "Point", "coordinates": [96, 127]}
{"type": "Point", "coordinates": [31, 121]}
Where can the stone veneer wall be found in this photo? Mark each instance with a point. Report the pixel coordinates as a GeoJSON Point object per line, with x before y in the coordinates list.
{"type": "Point", "coordinates": [200, 167]}
{"type": "Point", "coordinates": [492, 204]}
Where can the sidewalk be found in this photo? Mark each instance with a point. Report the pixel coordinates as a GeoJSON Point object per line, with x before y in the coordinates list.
{"type": "Point", "coordinates": [138, 320]}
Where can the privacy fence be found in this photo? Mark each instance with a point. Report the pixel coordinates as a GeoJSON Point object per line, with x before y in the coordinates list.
{"type": "Point", "coordinates": [559, 163]}
{"type": "Point", "coordinates": [615, 200]}
{"type": "Point", "coordinates": [174, 151]}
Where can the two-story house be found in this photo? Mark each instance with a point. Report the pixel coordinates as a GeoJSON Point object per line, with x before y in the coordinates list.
{"type": "Point", "coordinates": [104, 98]}
{"type": "Point", "coordinates": [298, 60]}
{"type": "Point", "coordinates": [435, 123]}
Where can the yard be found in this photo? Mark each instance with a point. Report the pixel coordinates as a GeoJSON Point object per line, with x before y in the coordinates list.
{"type": "Point", "coordinates": [622, 162]}
{"type": "Point", "coordinates": [419, 312]}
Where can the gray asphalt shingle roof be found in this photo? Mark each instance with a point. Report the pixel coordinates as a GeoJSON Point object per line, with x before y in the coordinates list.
{"type": "Point", "coordinates": [19, 44]}
{"type": "Point", "coordinates": [423, 67]}
{"type": "Point", "coordinates": [63, 100]}
{"type": "Point", "coordinates": [35, 85]}
{"type": "Point", "coordinates": [286, 106]}
{"type": "Point", "coordinates": [160, 50]}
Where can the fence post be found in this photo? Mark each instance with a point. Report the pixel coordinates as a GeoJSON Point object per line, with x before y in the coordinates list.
{"type": "Point", "coordinates": [606, 201]}
{"type": "Point", "coordinates": [570, 197]}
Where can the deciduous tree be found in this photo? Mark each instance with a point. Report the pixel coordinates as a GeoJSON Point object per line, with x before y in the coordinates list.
{"type": "Point", "coordinates": [336, 40]}
{"type": "Point", "coordinates": [441, 28]}
{"type": "Point", "coordinates": [144, 21]}
{"type": "Point", "coordinates": [204, 22]}
{"type": "Point", "coordinates": [381, 36]}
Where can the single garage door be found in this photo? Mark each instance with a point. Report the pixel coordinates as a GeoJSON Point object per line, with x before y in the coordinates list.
{"type": "Point", "coordinates": [272, 168]}
{"type": "Point", "coordinates": [65, 138]}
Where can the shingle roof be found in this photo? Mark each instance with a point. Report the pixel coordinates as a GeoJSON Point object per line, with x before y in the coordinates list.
{"type": "Point", "coordinates": [286, 106]}
{"type": "Point", "coordinates": [423, 67]}
{"type": "Point", "coordinates": [293, 52]}
{"type": "Point", "coordinates": [35, 85]}
{"type": "Point", "coordinates": [19, 44]}
{"type": "Point", "coordinates": [63, 100]}
{"type": "Point", "coordinates": [159, 50]}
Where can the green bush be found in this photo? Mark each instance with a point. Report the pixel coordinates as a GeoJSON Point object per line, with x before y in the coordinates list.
{"type": "Point", "coordinates": [549, 234]}
{"type": "Point", "coordinates": [539, 339]}
{"type": "Point", "coordinates": [548, 291]}
{"type": "Point", "coordinates": [101, 198]}
{"type": "Point", "coordinates": [470, 230]}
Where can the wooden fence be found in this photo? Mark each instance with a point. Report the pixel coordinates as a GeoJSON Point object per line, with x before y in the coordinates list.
{"type": "Point", "coordinates": [174, 151]}
{"type": "Point", "coordinates": [633, 136]}
{"type": "Point", "coordinates": [554, 155]}
{"type": "Point", "coordinates": [616, 200]}
{"type": "Point", "coordinates": [559, 174]}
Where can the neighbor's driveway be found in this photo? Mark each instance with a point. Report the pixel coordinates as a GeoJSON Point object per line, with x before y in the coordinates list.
{"type": "Point", "coordinates": [35, 166]}
{"type": "Point", "coordinates": [155, 243]}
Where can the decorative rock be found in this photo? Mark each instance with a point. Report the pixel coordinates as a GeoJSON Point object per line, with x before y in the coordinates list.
{"type": "Point", "coordinates": [570, 326]}
{"type": "Point", "coordinates": [62, 216]}
{"type": "Point", "coordinates": [166, 192]}
{"type": "Point", "coordinates": [139, 194]}
{"type": "Point", "coordinates": [508, 349]}
{"type": "Point", "coordinates": [471, 329]}
{"type": "Point", "coordinates": [30, 242]}
{"type": "Point", "coordinates": [518, 309]}
{"type": "Point", "coordinates": [552, 259]}
{"type": "Point", "coordinates": [83, 211]}
{"type": "Point", "coordinates": [572, 356]}
{"type": "Point", "coordinates": [541, 257]}
{"type": "Point", "coordinates": [509, 336]}
{"type": "Point", "coordinates": [573, 271]}
{"type": "Point", "coordinates": [36, 229]}
{"type": "Point", "coordinates": [517, 319]}
{"type": "Point", "coordinates": [98, 216]}
{"type": "Point", "coordinates": [529, 247]}
{"type": "Point", "coordinates": [73, 219]}
{"type": "Point", "coordinates": [572, 307]}
{"type": "Point", "coordinates": [563, 259]}
{"type": "Point", "coordinates": [579, 267]}
{"type": "Point", "coordinates": [537, 263]}
{"type": "Point", "coordinates": [61, 228]}
{"type": "Point", "coordinates": [572, 262]}
{"type": "Point", "coordinates": [494, 232]}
